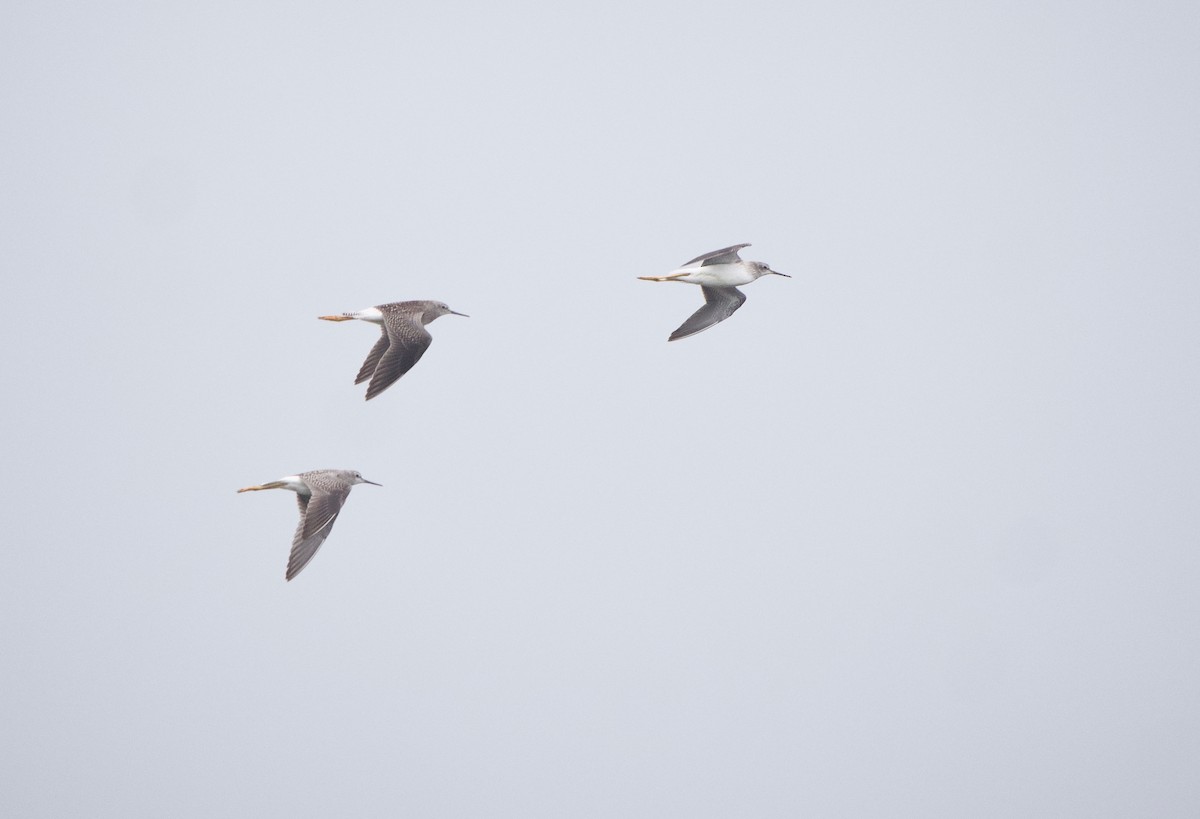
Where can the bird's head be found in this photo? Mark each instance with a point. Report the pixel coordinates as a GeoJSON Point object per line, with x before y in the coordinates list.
{"type": "Point", "coordinates": [438, 308]}
{"type": "Point", "coordinates": [764, 269]}
{"type": "Point", "coordinates": [357, 478]}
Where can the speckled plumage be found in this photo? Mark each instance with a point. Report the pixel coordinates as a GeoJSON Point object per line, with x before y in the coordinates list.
{"type": "Point", "coordinates": [320, 493]}
{"type": "Point", "coordinates": [402, 341]}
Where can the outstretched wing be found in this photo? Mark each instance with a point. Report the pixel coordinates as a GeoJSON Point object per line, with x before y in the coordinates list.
{"type": "Point", "coordinates": [719, 304]}
{"type": "Point", "coordinates": [725, 255]}
{"type": "Point", "coordinates": [408, 341]}
{"type": "Point", "coordinates": [368, 367]}
{"type": "Point", "coordinates": [318, 511]}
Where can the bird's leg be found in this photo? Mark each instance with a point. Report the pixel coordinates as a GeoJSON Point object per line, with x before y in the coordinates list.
{"type": "Point", "coordinates": [342, 317]}
{"type": "Point", "coordinates": [665, 278]}
{"type": "Point", "coordinates": [271, 485]}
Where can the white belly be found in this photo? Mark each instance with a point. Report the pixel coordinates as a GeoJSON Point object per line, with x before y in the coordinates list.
{"type": "Point", "coordinates": [294, 483]}
{"type": "Point", "coordinates": [717, 275]}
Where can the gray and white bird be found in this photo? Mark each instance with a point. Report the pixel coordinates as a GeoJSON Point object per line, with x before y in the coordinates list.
{"type": "Point", "coordinates": [718, 273]}
{"type": "Point", "coordinates": [402, 343]}
{"type": "Point", "coordinates": [321, 494]}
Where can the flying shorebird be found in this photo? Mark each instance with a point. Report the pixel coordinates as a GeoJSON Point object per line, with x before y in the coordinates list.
{"type": "Point", "coordinates": [320, 494]}
{"type": "Point", "coordinates": [718, 273]}
{"type": "Point", "coordinates": [403, 341]}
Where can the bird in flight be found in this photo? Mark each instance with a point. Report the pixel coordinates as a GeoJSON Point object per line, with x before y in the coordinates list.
{"type": "Point", "coordinates": [719, 274]}
{"type": "Point", "coordinates": [402, 343]}
{"type": "Point", "coordinates": [321, 494]}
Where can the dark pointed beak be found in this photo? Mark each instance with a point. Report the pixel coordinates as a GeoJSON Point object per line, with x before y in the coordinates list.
{"type": "Point", "coordinates": [456, 313]}
{"type": "Point", "coordinates": [372, 482]}
{"type": "Point", "coordinates": [777, 273]}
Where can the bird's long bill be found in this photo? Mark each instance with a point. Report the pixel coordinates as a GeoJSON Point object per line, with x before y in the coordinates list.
{"type": "Point", "coordinates": [336, 318]}
{"type": "Point", "coordinates": [364, 480]}
{"type": "Point", "coordinates": [271, 485]}
{"type": "Point", "coordinates": [777, 273]}
{"type": "Point", "coordinates": [456, 313]}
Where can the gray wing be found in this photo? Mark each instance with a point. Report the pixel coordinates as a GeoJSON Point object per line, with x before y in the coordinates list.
{"type": "Point", "coordinates": [723, 256]}
{"type": "Point", "coordinates": [719, 304]}
{"type": "Point", "coordinates": [408, 341]}
{"type": "Point", "coordinates": [317, 514]}
{"type": "Point", "coordinates": [368, 367]}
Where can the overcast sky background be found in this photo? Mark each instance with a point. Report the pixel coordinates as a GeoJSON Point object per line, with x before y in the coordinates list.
{"type": "Point", "coordinates": [913, 534]}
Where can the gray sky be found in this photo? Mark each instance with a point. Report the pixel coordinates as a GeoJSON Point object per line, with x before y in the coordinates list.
{"type": "Point", "coordinates": [914, 534]}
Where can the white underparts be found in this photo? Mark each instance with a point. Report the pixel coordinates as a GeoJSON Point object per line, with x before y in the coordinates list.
{"type": "Point", "coordinates": [294, 483]}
